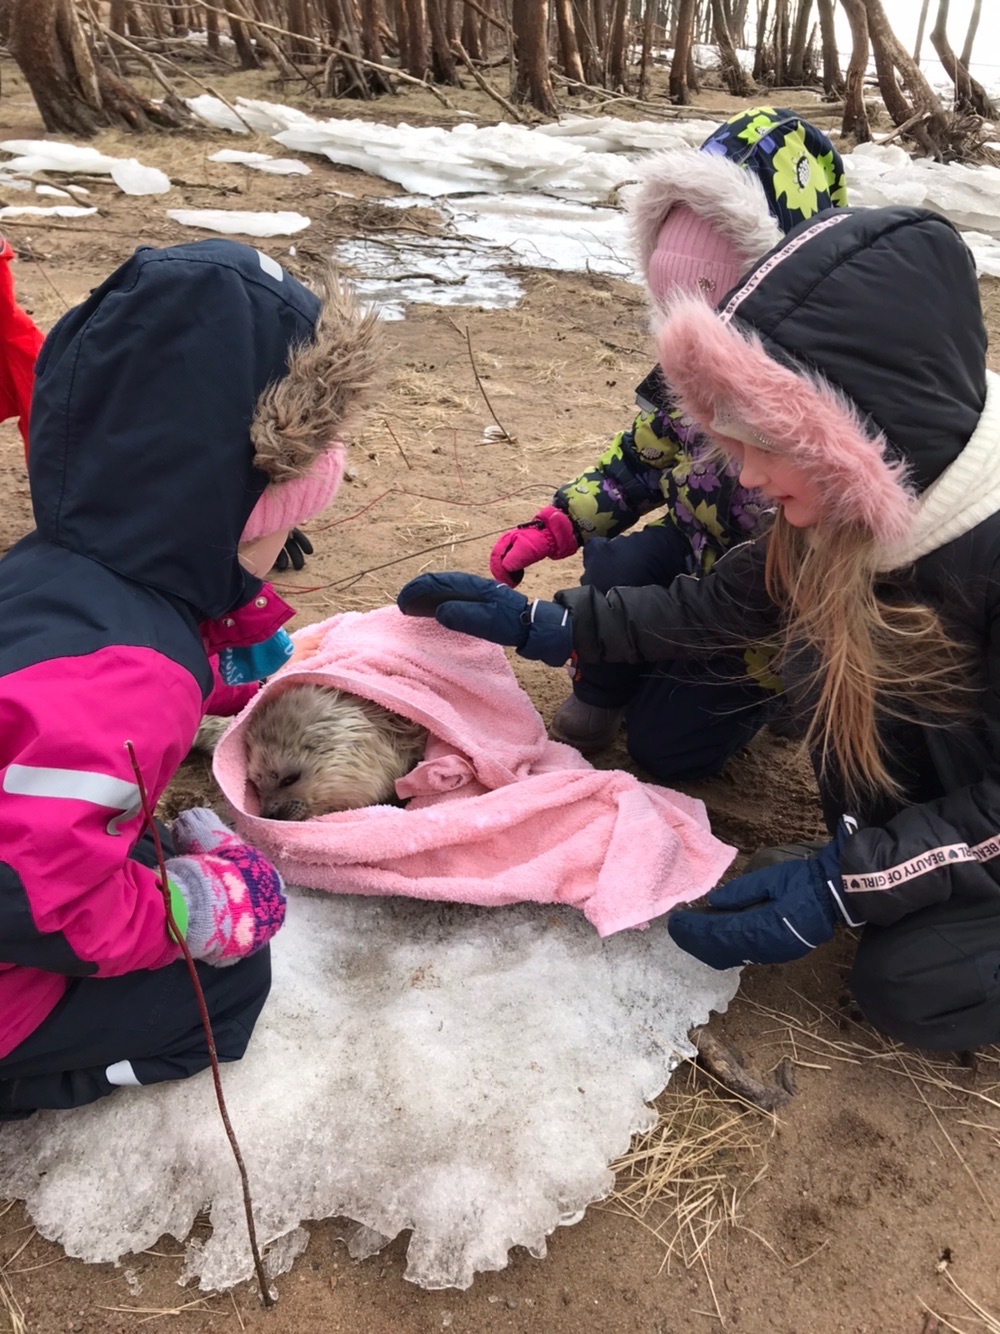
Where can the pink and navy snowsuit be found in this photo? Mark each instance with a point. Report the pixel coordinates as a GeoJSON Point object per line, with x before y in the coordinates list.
{"type": "Point", "coordinates": [142, 480]}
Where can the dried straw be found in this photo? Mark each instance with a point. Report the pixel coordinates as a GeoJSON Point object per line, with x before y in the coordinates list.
{"type": "Point", "coordinates": [685, 1179]}
{"type": "Point", "coordinates": [984, 1320]}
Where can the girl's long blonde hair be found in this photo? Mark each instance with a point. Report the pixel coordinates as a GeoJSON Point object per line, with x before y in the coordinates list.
{"type": "Point", "coordinates": [875, 658]}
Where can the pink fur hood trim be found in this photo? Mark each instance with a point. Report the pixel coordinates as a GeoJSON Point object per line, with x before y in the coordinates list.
{"type": "Point", "coordinates": [497, 812]}
{"type": "Point", "coordinates": [721, 371]}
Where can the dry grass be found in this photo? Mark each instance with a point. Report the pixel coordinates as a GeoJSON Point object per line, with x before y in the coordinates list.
{"type": "Point", "coordinates": [983, 1320]}
{"type": "Point", "coordinates": [12, 1318]}
{"type": "Point", "coordinates": [685, 1179]}
{"type": "Point", "coordinates": [952, 1093]}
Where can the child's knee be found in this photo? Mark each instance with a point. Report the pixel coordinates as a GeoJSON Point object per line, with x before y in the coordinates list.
{"type": "Point", "coordinates": [931, 982]}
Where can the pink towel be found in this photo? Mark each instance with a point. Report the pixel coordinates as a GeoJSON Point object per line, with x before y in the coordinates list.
{"type": "Point", "coordinates": [497, 812]}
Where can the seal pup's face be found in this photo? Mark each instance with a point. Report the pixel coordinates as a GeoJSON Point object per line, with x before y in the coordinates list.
{"type": "Point", "coordinates": [312, 750]}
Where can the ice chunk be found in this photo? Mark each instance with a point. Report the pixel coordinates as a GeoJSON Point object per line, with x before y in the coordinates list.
{"type": "Point", "coordinates": [36, 211]}
{"type": "Point", "coordinates": [52, 155]}
{"type": "Point", "coordinates": [235, 222]}
{"type": "Point", "coordinates": [133, 178]}
{"type": "Point", "coordinates": [276, 166]}
{"type": "Point", "coordinates": [464, 1073]}
{"type": "Point", "coordinates": [52, 192]}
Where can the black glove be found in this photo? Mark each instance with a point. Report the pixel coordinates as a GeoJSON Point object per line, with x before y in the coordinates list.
{"type": "Point", "coordinates": [294, 552]}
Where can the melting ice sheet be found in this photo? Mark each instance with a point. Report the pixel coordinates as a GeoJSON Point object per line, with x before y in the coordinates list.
{"type": "Point", "coordinates": [540, 196]}
{"type": "Point", "coordinates": [464, 1073]}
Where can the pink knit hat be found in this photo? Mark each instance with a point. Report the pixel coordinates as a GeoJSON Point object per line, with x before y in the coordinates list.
{"type": "Point", "coordinates": [287, 504]}
{"type": "Point", "coordinates": [691, 255]}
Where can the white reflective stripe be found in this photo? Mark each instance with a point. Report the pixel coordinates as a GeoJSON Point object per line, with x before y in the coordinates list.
{"type": "Point", "coordinates": [29, 780]}
{"type": "Point", "coordinates": [122, 1075]}
{"type": "Point", "coordinates": [850, 823]}
{"type": "Point", "coordinates": [565, 617]}
{"type": "Point", "coordinates": [534, 608]}
{"type": "Point", "coordinates": [808, 944]}
{"type": "Point", "coordinates": [271, 267]}
{"type": "Point", "coordinates": [842, 906]}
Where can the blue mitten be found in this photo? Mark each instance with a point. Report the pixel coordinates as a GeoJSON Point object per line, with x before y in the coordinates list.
{"type": "Point", "coordinates": [476, 606]}
{"type": "Point", "coordinates": [769, 916]}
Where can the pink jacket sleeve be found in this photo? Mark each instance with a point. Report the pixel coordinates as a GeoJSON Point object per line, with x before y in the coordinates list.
{"type": "Point", "coordinates": [70, 812]}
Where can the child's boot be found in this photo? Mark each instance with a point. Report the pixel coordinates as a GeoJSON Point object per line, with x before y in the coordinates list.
{"type": "Point", "coordinates": [588, 727]}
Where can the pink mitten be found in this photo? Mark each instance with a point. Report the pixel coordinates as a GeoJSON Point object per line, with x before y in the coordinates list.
{"type": "Point", "coordinates": [233, 898]}
{"type": "Point", "coordinates": [550, 535]}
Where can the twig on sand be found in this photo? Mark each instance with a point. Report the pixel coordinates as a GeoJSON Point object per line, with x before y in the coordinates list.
{"type": "Point", "coordinates": [724, 1065]}
{"type": "Point", "coordinates": [505, 434]}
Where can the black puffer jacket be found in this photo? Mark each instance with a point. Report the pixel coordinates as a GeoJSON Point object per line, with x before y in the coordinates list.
{"type": "Point", "coordinates": [886, 307]}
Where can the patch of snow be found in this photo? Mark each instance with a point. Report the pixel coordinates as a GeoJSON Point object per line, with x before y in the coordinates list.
{"type": "Point", "coordinates": [52, 191]}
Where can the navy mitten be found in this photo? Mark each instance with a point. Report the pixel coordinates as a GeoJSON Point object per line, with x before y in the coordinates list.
{"type": "Point", "coordinates": [476, 606]}
{"type": "Point", "coordinates": [769, 916]}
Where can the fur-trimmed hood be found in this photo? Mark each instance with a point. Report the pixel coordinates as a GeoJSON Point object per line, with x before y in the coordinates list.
{"type": "Point", "coordinates": [153, 395]}
{"type": "Point", "coordinates": [755, 177]}
{"type": "Point", "coordinates": [858, 347]}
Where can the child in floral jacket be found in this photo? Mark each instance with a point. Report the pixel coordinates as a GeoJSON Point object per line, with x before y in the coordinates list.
{"type": "Point", "coordinates": [700, 219]}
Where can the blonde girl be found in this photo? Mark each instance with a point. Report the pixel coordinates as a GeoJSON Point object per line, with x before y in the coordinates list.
{"type": "Point", "coordinates": [846, 378]}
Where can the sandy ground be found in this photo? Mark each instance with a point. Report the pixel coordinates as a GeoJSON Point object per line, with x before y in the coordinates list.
{"type": "Point", "coordinates": [878, 1183]}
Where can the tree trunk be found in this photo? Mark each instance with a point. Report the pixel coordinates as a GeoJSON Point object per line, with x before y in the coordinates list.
{"type": "Point", "coordinates": [419, 60]}
{"type": "Point", "coordinates": [75, 94]}
{"type": "Point", "coordinates": [617, 66]}
{"type": "Point", "coordinates": [679, 91]}
{"type": "Point", "coordinates": [799, 42]}
{"type": "Point", "coordinates": [648, 24]}
{"type": "Point", "coordinates": [970, 33]}
{"type": "Point", "coordinates": [587, 42]}
{"type": "Point", "coordinates": [529, 19]}
{"type": "Point", "coordinates": [970, 95]}
{"type": "Point", "coordinates": [442, 58]}
{"type": "Point", "coordinates": [921, 25]}
{"type": "Point", "coordinates": [116, 17]}
{"type": "Point", "coordinates": [890, 55]}
{"type": "Point", "coordinates": [212, 41]}
{"type": "Point", "coordinates": [855, 113]}
{"type": "Point", "coordinates": [779, 41]}
{"type": "Point", "coordinates": [761, 62]}
{"type": "Point", "coordinates": [599, 28]}
{"type": "Point", "coordinates": [470, 34]}
{"type": "Point", "coordinates": [833, 79]}
{"type": "Point", "coordinates": [733, 74]}
{"type": "Point", "coordinates": [568, 46]}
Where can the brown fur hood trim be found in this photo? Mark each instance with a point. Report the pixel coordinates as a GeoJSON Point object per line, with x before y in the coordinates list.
{"type": "Point", "coordinates": [297, 418]}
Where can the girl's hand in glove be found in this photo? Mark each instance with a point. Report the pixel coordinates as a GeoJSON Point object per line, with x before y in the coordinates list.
{"type": "Point", "coordinates": [475, 606]}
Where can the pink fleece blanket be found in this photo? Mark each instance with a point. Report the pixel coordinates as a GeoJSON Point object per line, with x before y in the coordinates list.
{"type": "Point", "coordinates": [497, 813]}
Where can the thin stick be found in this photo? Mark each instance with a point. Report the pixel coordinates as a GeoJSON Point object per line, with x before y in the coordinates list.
{"type": "Point", "coordinates": [479, 384]}
{"type": "Point", "coordinates": [487, 87]}
{"type": "Point", "coordinates": [34, 259]}
{"type": "Point", "coordinates": [206, 1022]}
{"type": "Point", "coordinates": [397, 444]}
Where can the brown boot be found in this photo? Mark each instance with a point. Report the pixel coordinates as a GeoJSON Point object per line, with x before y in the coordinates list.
{"type": "Point", "coordinates": [783, 852]}
{"type": "Point", "coordinates": [588, 727]}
